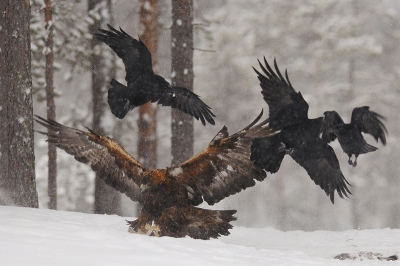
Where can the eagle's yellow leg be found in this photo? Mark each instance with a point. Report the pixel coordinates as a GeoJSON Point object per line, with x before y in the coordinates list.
{"type": "Point", "coordinates": [149, 229]}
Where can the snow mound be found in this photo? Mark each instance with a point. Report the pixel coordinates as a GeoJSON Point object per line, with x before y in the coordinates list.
{"type": "Point", "coordinates": [46, 237]}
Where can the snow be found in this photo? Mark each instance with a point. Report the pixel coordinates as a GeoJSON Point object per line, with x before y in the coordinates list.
{"type": "Point", "coordinates": [176, 171]}
{"type": "Point", "coordinates": [21, 119]}
{"type": "Point", "coordinates": [48, 237]}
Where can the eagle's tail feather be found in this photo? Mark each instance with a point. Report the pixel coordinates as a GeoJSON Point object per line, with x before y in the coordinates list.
{"type": "Point", "coordinates": [182, 221]}
{"type": "Point", "coordinates": [206, 224]}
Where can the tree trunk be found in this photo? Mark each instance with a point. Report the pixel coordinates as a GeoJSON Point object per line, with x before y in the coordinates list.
{"type": "Point", "coordinates": [107, 199]}
{"type": "Point", "coordinates": [182, 75]}
{"type": "Point", "coordinates": [356, 219]}
{"type": "Point", "coordinates": [147, 122]}
{"type": "Point", "coordinates": [281, 199]}
{"type": "Point", "coordinates": [17, 159]}
{"type": "Point", "coordinates": [51, 107]}
{"type": "Point", "coordinates": [350, 96]}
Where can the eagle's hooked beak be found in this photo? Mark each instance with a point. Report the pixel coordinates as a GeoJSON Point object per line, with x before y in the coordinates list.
{"type": "Point", "coordinates": [143, 188]}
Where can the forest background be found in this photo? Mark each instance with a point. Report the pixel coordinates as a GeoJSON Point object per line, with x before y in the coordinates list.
{"type": "Point", "coordinates": [339, 54]}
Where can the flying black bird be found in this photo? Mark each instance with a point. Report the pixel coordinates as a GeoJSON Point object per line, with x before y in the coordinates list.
{"type": "Point", "coordinates": [143, 85]}
{"type": "Point", "coordinates": [298, 136]}
{"type": "Point", "coordinates": [169, 196]}
{"type": "Point", "coordinates": [349, 135]}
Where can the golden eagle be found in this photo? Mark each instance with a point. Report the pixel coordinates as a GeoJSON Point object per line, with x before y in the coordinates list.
{"type": "Point", "coordinates": [169, 196]}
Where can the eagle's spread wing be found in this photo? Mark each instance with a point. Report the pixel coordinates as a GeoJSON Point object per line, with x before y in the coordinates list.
{"type": "Point", "coordinates": [330, 125]}
{"type": "Point", "coordinates": [134, 54]}
{"type": "Point", "coordinates": [286, 106]}
{"type": "Point", "coordinates": [186, 101]}
{"type": "Point", "coordinates": [369, 122]}
{"type": "Point", "coordinates": [323, 167]}
{"type": "Point", "coordinates": [224, 167]}
{"type": "Point", "coordinates": [109, 160]}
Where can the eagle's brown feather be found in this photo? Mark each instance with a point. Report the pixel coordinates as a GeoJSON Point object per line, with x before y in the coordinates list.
{"type": "Point", "coordinates": [224, 167]}
{"type": "Point", "coordinates": [121, 171]}
{"type": "Point", "coordinates": [169, 195]}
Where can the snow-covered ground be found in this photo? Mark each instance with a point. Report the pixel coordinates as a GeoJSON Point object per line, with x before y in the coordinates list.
{"type": "Point", "coordinates": [47, 237]}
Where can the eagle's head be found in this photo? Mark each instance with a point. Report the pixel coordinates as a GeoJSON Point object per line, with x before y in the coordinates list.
{"type": "Point", "coordinates": [153, 179]}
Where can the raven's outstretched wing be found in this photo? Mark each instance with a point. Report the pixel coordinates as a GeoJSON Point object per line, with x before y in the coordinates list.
{"type": "Point", "coordinates": [323, 167]}
{"type": "Point", "coordinates": [113, 164]}
{"type": "Point", "coordinates": [224, 167]}
{"type": "Point", "coordinates": [143, 84]}
{"type": "Point", "coordinates": [186, 101]}
{"type": "Point", "coordinates": [134, 54]}
{"type": "Point", "coordinates": [330, 125]}
{"type": "Point", "coordinates": [369, 122]}
{"type": "Point", "coordinates": [180, 98]}
{"type": "Point", "coordinates": [286, 106]}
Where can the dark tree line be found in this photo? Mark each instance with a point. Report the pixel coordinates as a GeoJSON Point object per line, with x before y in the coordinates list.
{"type": "Point", "coordinates": [17, 173]}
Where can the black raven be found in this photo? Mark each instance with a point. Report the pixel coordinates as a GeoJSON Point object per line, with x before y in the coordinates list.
{"type": "Point", "coordinates": [143, 84]}
{"type": "Point", "coordinates": [349, 135]}
{"type": "Point", "coordinates": [298, 136]}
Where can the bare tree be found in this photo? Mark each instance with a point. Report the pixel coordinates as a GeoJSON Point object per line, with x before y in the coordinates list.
{"type": "Point", "coordinates": [17, 168]}
{"type": "Point", "coordinates": [182, 75]}
{"type": "Point", "coordinates": [147, 122]}
{"type": "Point", "coordinates": [351, 80]}
{"type": "Point", "coordinates": [107, 199]}
{"type": "Point", "coordinates": [51, 107]}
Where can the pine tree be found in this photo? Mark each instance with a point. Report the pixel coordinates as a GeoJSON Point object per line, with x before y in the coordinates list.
{"type": "Point", "coordinates": [51, 107]}
{"type": "Point", "coordinates": [107, 199]}
{"type": "Point", "coordinates": [182, 75]}
{"type": "Point", "coordinates": [147, 122]}
{"type": "Point", "coordinates": [17, 163]}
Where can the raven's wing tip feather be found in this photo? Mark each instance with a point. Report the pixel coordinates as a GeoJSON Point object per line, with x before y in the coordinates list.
{"type": "Point", "coordinates": [342, 192]}
{"type": "Point", "coordinates": [188, 102]}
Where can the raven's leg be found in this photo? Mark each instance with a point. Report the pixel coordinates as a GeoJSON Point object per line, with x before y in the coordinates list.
{"type": "Point", "coordinates": [350, 161]}
{"type": "Point", "coordinates": [355, 161]}
{"type": "Point", "coordinates": [282, 148]}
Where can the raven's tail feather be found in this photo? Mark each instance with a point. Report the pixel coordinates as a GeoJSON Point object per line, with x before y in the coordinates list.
{"type": "Point", "coordinates": [367, 148]}
{"type": "Point", "coordinates": [118, 99]}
